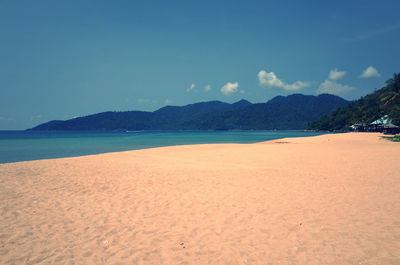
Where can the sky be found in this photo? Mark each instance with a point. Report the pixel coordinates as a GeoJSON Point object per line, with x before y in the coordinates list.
{"type": "Point", "coordinates": [63, 59]}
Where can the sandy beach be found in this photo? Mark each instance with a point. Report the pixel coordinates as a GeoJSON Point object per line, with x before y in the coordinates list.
{"type": "Point", "coordinates": [331, 199]}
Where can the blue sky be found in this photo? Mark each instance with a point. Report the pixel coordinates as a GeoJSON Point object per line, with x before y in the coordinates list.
{"type": "Point", "coordinates": [62, 59]}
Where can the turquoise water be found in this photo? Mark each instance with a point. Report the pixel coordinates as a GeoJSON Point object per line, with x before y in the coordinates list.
{"type": "Point", "coordinates": [32, 145]}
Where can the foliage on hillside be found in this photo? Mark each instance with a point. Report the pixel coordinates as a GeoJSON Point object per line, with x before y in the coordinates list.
{"type": "Point", "coordinates": [291, 112]}
{"type": "Point", "coordinates": [385, 101]}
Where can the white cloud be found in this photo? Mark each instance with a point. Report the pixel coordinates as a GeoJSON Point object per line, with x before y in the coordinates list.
{"type": "Point", "coordinates": [336, 75]}
{"type": "Point", "coordinates": [207, 88]}
{"type": "Point", "coordinates": [332, 87]}
{"type": "Point", "coordinates": [167, 101]}
{"type": "Point", "coordinates": [192, 86]}
{"type": "Point", "coordinates": [370, 72]}
{"type": "Point", "coordinates": [229, 88]}
{"type": "Point", "coordinates": [271, 80]}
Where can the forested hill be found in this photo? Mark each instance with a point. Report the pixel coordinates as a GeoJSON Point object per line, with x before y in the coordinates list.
{"type": "Point", "coordinates": [290, 112]}
{"type": "Point", "coordinates": [385, 101]}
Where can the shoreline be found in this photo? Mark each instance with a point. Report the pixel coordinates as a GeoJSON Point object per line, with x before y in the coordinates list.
{"type": "Point", "coordinates": [285, 139]}
{"type": "Point", "coordinates": [83, 146]}
{"type": "Point", "coordinates": [330, 199]}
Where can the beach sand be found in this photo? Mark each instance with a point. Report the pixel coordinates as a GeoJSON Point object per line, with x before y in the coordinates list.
{"type": "Point", "coordinates": [331, 199]}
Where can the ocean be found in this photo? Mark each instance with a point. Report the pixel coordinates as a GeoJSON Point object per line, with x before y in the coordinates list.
{"type": "Point", "coordinates": [18, 146]}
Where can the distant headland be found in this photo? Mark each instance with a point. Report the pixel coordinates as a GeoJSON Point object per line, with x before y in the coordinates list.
{"type": "Point", "coordinates": [281, 113]}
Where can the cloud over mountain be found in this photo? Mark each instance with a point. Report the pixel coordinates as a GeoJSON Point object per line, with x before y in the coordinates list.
{"type": "Point", "coordinates": [335, 74]}
{"type": "Point", "coordinates": [207, 88]}
{"type": "Point", "coordinates": [332, 87]}
{"type": "Point", "coordinates": [192, 86]}
{"type": "Point", "coordinates": [370, 72]}
{"type": "Point", "coordinates": [271, 80]}
{"type": "Point", "coordinates": [229, 88]}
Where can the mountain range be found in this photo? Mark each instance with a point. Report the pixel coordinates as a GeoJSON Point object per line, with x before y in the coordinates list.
{"type": "Point", "coordinates": [281, 113]}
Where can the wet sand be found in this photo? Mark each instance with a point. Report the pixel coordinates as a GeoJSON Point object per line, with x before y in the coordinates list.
{"type": "Point", "coordinates": [331, 199]}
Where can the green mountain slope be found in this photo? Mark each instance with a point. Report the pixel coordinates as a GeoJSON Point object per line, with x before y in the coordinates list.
{"type": "Point", "coordinates": [290, 112]}
{"type": "Point", "coordinates": [385, 101]}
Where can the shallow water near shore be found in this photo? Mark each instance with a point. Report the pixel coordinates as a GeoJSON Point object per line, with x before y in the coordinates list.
{"type": "Point", "coordinates": [18, 146]}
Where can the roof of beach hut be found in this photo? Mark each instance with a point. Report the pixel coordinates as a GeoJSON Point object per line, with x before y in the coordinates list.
{"type": "Point", "coordinates": [382, 121]}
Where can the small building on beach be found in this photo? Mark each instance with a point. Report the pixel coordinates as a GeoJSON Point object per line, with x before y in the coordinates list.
{"type": "Point", "coordinates": [383, 124]}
